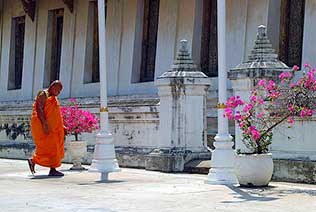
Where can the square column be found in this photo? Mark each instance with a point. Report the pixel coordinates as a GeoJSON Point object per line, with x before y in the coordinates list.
{"type": "Point", "coordinates": [182, 129]}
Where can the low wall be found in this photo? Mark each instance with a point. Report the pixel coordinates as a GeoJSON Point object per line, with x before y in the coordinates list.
{"type": "Point", "coordinates": [297, 142]}
{"type": "Point", "coordinates": [126, 156]}
{"type": "Point", "coordinates": [290, 170]}
{"type": "Point", "coordinates": [134, 122]}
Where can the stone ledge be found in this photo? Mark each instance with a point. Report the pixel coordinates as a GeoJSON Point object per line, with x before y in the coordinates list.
{"type": "Point", "coordinates": [133, 157]}
{"type": "Point", "coordinates": [172, 160]}
{"type": "Point", "coordinates": [198, 166]}
{"type": "Point", "coordinates": [303, 171]}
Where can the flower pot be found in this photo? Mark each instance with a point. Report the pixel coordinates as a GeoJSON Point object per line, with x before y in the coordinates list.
{"type": "Point", "coordinates": [77, 150]}
{"type": "Point", "coordinates": [254, 169]}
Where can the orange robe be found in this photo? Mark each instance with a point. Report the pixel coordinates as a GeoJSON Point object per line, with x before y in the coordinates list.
{"type": "Point", "coordinates": [49, 148]}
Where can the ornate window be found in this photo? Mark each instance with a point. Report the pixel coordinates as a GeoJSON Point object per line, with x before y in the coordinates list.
{"type": "Point", "coordinates": [16, 53]}
{"type": "Point", "coordinates": [209, 55]}
{"type": "Point", "coordinates": [291, 31]}
{"type": "Point", "coordinates": [54, 45]}
{"type": "Point", "coordinates": [149, 41]}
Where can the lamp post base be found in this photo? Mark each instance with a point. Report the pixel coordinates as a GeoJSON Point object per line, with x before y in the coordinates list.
{"type": "Point", "coordinates": [221, 176]}
{"type": "Point", "coordinates": [104, 160]}
{"type": "Point", "coordinates": [222, 163]}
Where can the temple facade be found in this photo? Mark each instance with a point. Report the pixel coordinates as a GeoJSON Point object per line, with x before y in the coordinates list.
{"type": "Point", "coordinates": [44, 40]}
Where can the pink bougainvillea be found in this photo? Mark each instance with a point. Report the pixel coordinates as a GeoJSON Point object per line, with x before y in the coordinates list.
{"type": "Point", "coordinates": [77, 121]}
{"type": "Point", "coordinates": [272, 103]}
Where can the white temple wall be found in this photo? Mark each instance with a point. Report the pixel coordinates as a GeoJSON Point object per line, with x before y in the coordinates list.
{"type": "Point", "coordinates": [67, 49]}
{"type": "Point", "coordinates": [166, 38]}
{"type": "Point", "coordinates": [78, 87]}
{"type": "Point", "coordinates": [13, 9]}
{"type": "Point", "coordinates": [257, 14]}
{"type": "Point", "coordinates": [114, 33]}
{"type": "Point", "coordinates": [177, 20]}
{"type": "Point", "coordinates": [309, 34]}
{"type": "Point", "coordinates": [297, 142]}
{"type": "Point", "coordinates": [236, 27]}
{"type": "Point", "coordinates": [1, 36]}
{"type": "Point", "coordinates": [130, 9]}
{"type": "Point", "coordinates": [273, 27]}
{"type": "Point", "coordinates": [42, 50]}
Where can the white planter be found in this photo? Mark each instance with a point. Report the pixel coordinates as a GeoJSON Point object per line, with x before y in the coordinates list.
{"type": "Point", "coordinates": [77, 150]}
{"type": "Point", "coordinates": [254, 169]}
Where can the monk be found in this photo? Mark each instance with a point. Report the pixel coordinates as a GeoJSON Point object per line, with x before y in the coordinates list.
{"type": "Point", "coordinates": [47, 130]}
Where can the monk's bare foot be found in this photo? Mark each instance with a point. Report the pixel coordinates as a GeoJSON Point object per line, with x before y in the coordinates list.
{"type": "Point", "coordinates": [31, 165]}
{"type": "Point", "coordinates": [55, 173]}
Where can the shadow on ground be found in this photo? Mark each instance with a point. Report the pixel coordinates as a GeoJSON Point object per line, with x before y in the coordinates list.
{"type": "Point", "coordinates": [38, 177]}
{"type": "Point", "coordinates": [264, 194]}
{"type": "Point", "coordinates": [102, 182]}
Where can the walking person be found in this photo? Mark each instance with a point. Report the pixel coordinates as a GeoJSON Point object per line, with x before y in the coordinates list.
{"type": "Point", "coordinates": [47, 130]}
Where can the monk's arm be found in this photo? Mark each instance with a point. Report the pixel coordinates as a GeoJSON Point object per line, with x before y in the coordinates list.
{"type": "Point", "coordinates": [40, 103]}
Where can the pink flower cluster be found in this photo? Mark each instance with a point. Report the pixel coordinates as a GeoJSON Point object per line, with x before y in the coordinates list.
{"type": "Point", "coordinates": [77, 121]}
{"type": "Point", "coordinates": [271, 104]}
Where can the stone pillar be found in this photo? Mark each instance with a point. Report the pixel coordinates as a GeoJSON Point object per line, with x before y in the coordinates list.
{"type": "Point", "coordinates": [262, 63]}
{"type": "Point", "coordinates": [104, 160]}
{"type": "Point", "coordinates": [182, 129]}
{"type": "Point", "coordinates": [223, 157]}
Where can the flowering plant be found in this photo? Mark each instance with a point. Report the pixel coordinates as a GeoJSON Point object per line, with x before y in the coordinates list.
{"type": "Point", "coordinates": [271, 104]}
{"type": "Point", "coordinates": [77, 121]}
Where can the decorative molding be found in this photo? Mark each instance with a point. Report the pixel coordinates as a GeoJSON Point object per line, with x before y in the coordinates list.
{"type": "Point", "coordinates": [69, 4]}
{"type": "Point", "coordinates": [29, 8]}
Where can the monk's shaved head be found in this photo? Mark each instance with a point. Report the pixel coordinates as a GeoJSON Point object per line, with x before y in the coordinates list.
{"type": "Point", "coordinates": [55, 88]}
{"type": "Point", "coordinates": [56, 83]}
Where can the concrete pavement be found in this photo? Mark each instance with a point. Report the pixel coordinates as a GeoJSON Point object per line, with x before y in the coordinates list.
{"type": "Point", "coordinates": [137, 190]}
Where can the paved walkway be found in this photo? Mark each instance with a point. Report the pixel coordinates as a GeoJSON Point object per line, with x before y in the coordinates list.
{"type": "Point", "coordinates": [137, 190]}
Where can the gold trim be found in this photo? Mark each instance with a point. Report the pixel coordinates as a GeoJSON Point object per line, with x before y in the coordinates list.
{"type": "Point", "coordinates": [104, 109]}
{"type": "Point", "coordinates": [221, 106]}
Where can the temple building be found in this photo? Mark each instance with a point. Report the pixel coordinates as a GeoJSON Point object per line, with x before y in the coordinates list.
{"type": "Point", "coordinates": [44, 40]}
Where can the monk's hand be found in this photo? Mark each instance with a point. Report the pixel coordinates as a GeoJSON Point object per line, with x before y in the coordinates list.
{"type": "Point", "coordinates": [46, 128]}
{"type": "Point", "coordinates": [65, 130]}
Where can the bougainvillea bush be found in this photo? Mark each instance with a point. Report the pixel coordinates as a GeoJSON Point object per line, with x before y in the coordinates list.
{"type": "Point", "coordinates": [272, 103]}
{"type": "Point", "coordinates": [77, 121]}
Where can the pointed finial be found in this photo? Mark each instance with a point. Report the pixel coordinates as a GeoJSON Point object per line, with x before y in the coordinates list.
{"type": "Point", "coordinates": [262, 57]}
{"type": "Point", "coordinates": [183, 65]}
{"type": "Point", "coordinates": [261, 31]}
{"type": "Point", "coordinates": [183, 45]}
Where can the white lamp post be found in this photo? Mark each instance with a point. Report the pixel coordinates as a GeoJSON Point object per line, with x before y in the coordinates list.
{"type": "Point", "coordinates": [223, 157]}
{"type": "Point", "coordinates": [104, 159]}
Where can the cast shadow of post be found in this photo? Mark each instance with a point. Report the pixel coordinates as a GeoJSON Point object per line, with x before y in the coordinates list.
{"type": "Point", "coordinates": [265, 194]}
{"type": "Point", "coordinates": [247, 194]}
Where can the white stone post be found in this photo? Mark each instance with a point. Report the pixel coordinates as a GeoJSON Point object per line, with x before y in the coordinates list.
{"type": "Point", "coordinates": [182, 129]}
{"type": "Point", "coordinates": [223, 157]}
{"type": "Point", "coordinates": [262, 63]}
{"type": "Point", "coordinates": [104, 159]}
